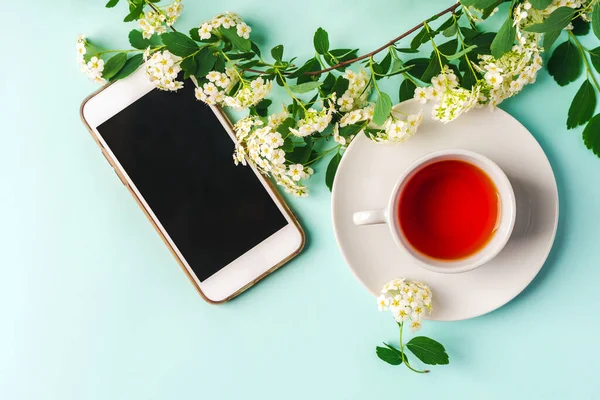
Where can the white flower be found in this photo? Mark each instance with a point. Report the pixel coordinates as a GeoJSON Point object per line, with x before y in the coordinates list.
{"type": "Point", "coordinates": [277, 119]}
{"type": "Point", "coordinates": [200, 95]}
{"type": "Point", "coordinates": [153, 22]}
{"type": "Point", "coordinates": [296, 171]}
{"type": "Point", "coordinates": [205, 31]}
{"type": "Point", "coordinates": [262, 144]}
{"type": "Point", "coordinates": [244, 30]}
{"type": "Point", "coordinates": [415, 325]}
{"type": "Point", "coordinates": [162, 69]}
{"type": "Point", "coordinates": [351, 118]}
{"type": "Point", "coordinates": [223, 81]}
{"type": "Point", "coordinates": [407, 301]}
{"type": "Point", "coordinates": [383, 302]}
{"type": "Point", "coordinates": [345, 102]}
{"type": "Point", "coordinates": [422, 95]}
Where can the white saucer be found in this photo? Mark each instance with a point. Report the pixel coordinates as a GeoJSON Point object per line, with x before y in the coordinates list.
{"type": "Point", "coordinates": [366, 177]}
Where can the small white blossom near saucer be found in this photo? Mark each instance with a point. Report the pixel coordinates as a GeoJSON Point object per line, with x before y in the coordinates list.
{"type": "Point", "coordinates": [409, 302]}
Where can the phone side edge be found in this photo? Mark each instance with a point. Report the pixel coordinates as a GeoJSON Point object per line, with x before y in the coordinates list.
{"type": "Point", "coordinates": [132, 193]}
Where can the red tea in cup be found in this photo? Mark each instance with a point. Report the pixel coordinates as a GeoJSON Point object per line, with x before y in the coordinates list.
{"type": "Point", "coordinates": [449, 210]}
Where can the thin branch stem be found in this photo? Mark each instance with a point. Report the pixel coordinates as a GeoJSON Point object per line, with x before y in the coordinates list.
{"type": "Point", "coordinates": [589, 71]}
{"type": "Point", "coordinates": [385, 46]}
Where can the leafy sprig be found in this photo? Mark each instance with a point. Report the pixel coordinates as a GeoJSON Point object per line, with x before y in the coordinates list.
{"type": "Point", "coordinates": [458, 43]}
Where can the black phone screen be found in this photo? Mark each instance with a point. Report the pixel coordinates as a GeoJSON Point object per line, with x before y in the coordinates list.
{"type": "Point", "coordinates": [179, 157]}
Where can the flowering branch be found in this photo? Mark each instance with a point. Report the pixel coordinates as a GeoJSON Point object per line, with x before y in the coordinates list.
{"type": "Point", "coordinates": [329, 102]}
{"type": "Point", "coordinates": [385, 46]}
{"type": "Point", "coordinates": [409, 301]}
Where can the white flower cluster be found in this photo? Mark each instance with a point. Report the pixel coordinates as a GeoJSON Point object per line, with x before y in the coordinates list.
{"type": "Point", "coordinates": [314, 121]}
{"type": "Point", "coordinates": [506, 76]}
{"type": "Point", "coordinates": [357, 93]}
{"type": "Point", "coordinates": [94, 67]}
{"type": "Point", "coordinates": [398, 130]}
{"type": "Point", "coordinates": [452, 100]}
{"type": "Point", "coordinates": [407, 300]}
{"type": "Point", "coordinates": [524, 14]}
{"type": "Point", "coordinates": [249, 93]}
{"type": "Point", "coordinates": [227, 20]}
{"type": "Point", "coordinates": [162, 69]}
{"type": "Point", "coordinates": [262, 145]}
{"type": "Point", "coordinates": [157, 21]}
{"type": "Point", "coordinates": [351, 118]}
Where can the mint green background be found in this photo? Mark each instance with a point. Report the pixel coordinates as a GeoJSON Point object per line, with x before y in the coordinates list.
{"type": "Point", "coordinates": [93, 306]}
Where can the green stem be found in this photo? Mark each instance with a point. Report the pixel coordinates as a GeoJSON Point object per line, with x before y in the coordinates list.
{"type": "Point", "coordinates": [582, 50]}
{"type": "Point", "coordinates": [437, 52]}
{"type": "Point", "coordinates": [404, 359]}
{"type": "Point", "coordinates": [287, 89]}
{"type": "Point", "coordinates": [324, 154]}
{"type": "Point", "coordinates": [463, 44]}
{"type": "Point", "coordinates": [373, 80]}
{"type": "Point", "coordinates": [117, 51]}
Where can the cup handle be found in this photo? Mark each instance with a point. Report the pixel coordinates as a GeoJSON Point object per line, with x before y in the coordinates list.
{"type": "Point", "coordinates": [370, 217]}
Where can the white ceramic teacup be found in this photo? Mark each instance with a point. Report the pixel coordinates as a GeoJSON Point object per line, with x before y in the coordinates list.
{"type": "Point", "coordinates": [504, 226]}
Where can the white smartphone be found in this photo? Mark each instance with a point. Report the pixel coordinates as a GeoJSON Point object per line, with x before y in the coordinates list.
{"type": "Point", "coordinates": [226, 225]}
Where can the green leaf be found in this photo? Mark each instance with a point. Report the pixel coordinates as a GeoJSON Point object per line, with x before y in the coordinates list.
{"type": "Point", "coordinates": [558, 20]}
{"type": "Point", "coordinates": [450, 31]}
{"type": "Point", "coordinates": [419, 66]}
{"type": "Point", "coordinates": [461, 53]}
{"type": "Point", "coordinates": [565, 64]}
{"type": "Point", "coordinates": [131, 65]}
{"type": "Point", "coordinates": [490, 9]}
{"type": "Point", "coordinates": [407, 90]}
{"type": "Point", "coordinates": [301, 155]}
{"type": "Point", "coordinates": [389, 354]}
{"type": "Point", "coordinates": [135, 13]}
{"type": "Point", "coordinates": [284, 127]}
{"type": "Point", "coordinates": [504, 40]}
{"type": "Point", "coordinates": [583, 105]}
{"type": "Point", "coordinates": [194, 35]}
{"type": "Point", "coordinates": [549, 39]}
{"type": "Point", "coordinates": [420, 38]}
{"type": "Point", "coordinates": [398, 67]}
{"type": "Point", "coordinates": [595, 57]}
{"type": "Point", "coordinates": [341, 85]}
{"type": "Point", "coordinates": [405, 50]}
{"type": "Point", "coordinates": [112, 3]}
{"type": "Point", "coordinates": [383, 107]}
{"type": "Point", "coordinates": [188, 65]}
{"type": "Point", "coordinates": [596, 20]}
{"type": "Point", "coordinates": [428, 351]}
{"type": "Point", "coordinates": [305, 87]}
{"type": "Point", "coordinates": [238, 43]}
{"type": "Point", "coordinates": [179, 44]}
{"type": "Point", "coordinates": [137, 41]}
{"type": "Point", "coordinates": [262, 108]}
{"type": "Point", "coordinates": [478, 4]}
{"type": "Point", "coordinates": [470, 77]}
{"type": "Point", "coordinates": [540, 4]}
{"type": "Point", "coordinates": [332, 169]}
{"type": "Point", "coordinates": [432, 70]}
{"type": "Point", "coordinates": [350, 130]}
{"type": "Point", "coordinates": [114, 65]}
{"type": "Point", "coordinates": [205, 61]}
{"type": "Point", "coordinates": [328, 84]}
{"type": "Point", "coordinates": [591, 135]}
{"type": "Point", "coordinates": [338, 55]}
{"type": "Point", "coordinates": [321, 41]}
{"type": "Point", "coordinates": [483, 42]}
{"type": "Point", "coordinates": [580, 27]}
{"type": "Point", "coordinates": [448, 48]}
{"type": "Point", "coordinates": [277, 52]}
